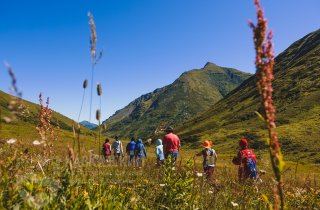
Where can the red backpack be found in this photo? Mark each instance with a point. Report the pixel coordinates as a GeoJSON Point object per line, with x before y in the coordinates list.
{"type": "Point", "coordinates": [106, 149]}
{"type": "Point", "coordinates": [247, 154]}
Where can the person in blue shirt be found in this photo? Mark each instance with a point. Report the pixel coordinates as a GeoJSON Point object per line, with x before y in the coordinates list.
{"type": "Point", "coordinates": [130, 151]}
{"type": "Point", "coordinates": [140, 153]}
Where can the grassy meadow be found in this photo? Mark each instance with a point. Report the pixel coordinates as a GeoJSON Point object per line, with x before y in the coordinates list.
{"type": "Point", "coordinates": [67, 183]}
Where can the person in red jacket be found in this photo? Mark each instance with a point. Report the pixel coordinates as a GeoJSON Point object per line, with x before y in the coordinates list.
{"type": "Point", "coordinates": [171, 145]}
{"type": "Point", "coordinates": [246, 159]}
{"type": "Point", "coordinates": [106, 150]}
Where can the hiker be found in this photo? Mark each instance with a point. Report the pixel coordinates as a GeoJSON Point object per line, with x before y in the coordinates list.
{"type": "Point", "coordinates": [130, 151]}
{"type": "Point", "coordinates": [159, 152]}
{"type": "Point", "coordinates": [140, 153]}
{"type": "Point", "coordinates": [171, 144]}
{"type": "Point", "coordinates": [117, 149]}
{"type": "Point", "coordinates": [106, 150]}
{"type": "Point", "coordinates": [246, 159]}
{"type": "Point", "coordinates": [209, 159]}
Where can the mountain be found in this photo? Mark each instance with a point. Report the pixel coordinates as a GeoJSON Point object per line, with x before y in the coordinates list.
{"type": "Point", "coordinates": [88, 124]}
{"type": "Point", "coordinates": [193, 92]}
{"type": "Point", "coordinates": [23, 127]}
{"type": "Point", "coordinates": [296, 96]}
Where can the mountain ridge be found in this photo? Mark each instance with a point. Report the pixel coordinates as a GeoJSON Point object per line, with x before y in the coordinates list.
{"type": "Point", "coordinates": [296, 96]}
{"type": "Point", "coordinates": [191, 92]}
{"type": "Point", "coordinates": [88, 124]}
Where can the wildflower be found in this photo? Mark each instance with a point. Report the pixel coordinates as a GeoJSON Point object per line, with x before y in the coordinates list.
{"type": "Point", "coordinates": [133, 202]}
{"type": "Point", "coordinates": [299, 192]}
{"type": "Point", "coordinates": [36, 142]}
{"type": "Point", "coordinates": [199, 174]}
{"type": "Point", "coordinates": [11, 141]}
{"type": "Point", "coordinates": [85, 194]}
{"type": "Point", "coordinates": [234, 204]}
{"type": "Point", "coordinates": [264, 73]}
{"type": "Point", "coordinates": [146, 181]}
{"type": "Point", "coordinates": [7, 119]}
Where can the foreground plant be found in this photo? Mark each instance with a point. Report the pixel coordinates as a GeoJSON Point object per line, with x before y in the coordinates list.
{"type": "Point", "coordinates": [264, 72]}
{"type": "Point", "coordinates": [45, 128]}
{"type": "Point", "coordinates": [16, 106]}
{"type": "Point", "coordinates": [85, 85]}
{"type": "Point", "coordinates": [94, 58]}
{"type": "Point", "coordinates": [98, 116]}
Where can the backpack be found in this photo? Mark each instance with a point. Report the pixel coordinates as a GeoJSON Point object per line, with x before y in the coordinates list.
{"type": "Point", "coordinates": [250, 165]}
{"type": "Point", "coordinates": [251, 168]}
{"type": "Point", "coordinates": [106, 149]}
{"type": "Point", "coordinates": [139, 149]}
{"type": "Point", "coordinates": [210, 158]}
{"type": "Point", "coordinates": [117, 146]}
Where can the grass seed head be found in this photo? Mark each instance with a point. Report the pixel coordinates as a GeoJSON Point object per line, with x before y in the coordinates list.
{"type": "Point", "coordinates": [85, 84]}
{"type": "Point", "coordinates": [93, 38]}
{"type": "Point", "coordinates": [98, 114]}
{"type": "Point", "coordinates": [99, 89]}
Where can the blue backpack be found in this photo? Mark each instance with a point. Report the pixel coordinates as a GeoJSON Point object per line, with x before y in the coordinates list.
{"type": "Point", "coordinates": [139, 150]}
{"type": "Point", "coordinates": [251, 168]}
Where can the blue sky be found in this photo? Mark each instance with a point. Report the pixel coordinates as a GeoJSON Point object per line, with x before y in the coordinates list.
{"type": "Point", "coordinates": [147, 44]}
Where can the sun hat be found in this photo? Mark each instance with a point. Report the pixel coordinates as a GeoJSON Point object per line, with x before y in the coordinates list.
{"type": "Point", "coordinates": [207, 144]}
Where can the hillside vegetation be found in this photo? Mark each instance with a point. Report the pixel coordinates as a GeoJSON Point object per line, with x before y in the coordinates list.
{"type": "Point", "coordinates": [297, 98]}
{"type": "Point", "coordinates": [24, 127]}
{"type": "Point", "coordinates": [193, 92]}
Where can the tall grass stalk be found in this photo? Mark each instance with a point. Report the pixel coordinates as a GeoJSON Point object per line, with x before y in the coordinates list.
{"type": "Point", "coordinates": [99, 92]}
{"type": "Point", "coordinates": [264, 72]}
{"type": "Point", "coordinates": [74, 135]}
{"type": "Point", "coordinates": [94, 58]}
{"type": "Point", "coordinates": [98, 115]}
{"type": "Point", "coordinates": [0, 122]}
{"type": "Point", "coordinates": [78, 139]}
{"type": "Point", "coordinates": [85, 85]}
{"type": "Point", "coordinates": [16, 106]}
{"type": "Point", "coordinates": [14, 88]}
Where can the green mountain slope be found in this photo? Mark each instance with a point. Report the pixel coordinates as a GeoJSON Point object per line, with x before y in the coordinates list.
{"type": "Point", "coordinates": [297, 98]}
{"type": "Point", "coordinates": [23, 128]}
{"type": "Point", "coordinates": [193, 92]}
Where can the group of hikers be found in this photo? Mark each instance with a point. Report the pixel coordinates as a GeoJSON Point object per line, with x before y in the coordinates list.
{"type": "Point", "coordinates": [169, 147]}
{"type": "Point", "coordinates": [135, 150]}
